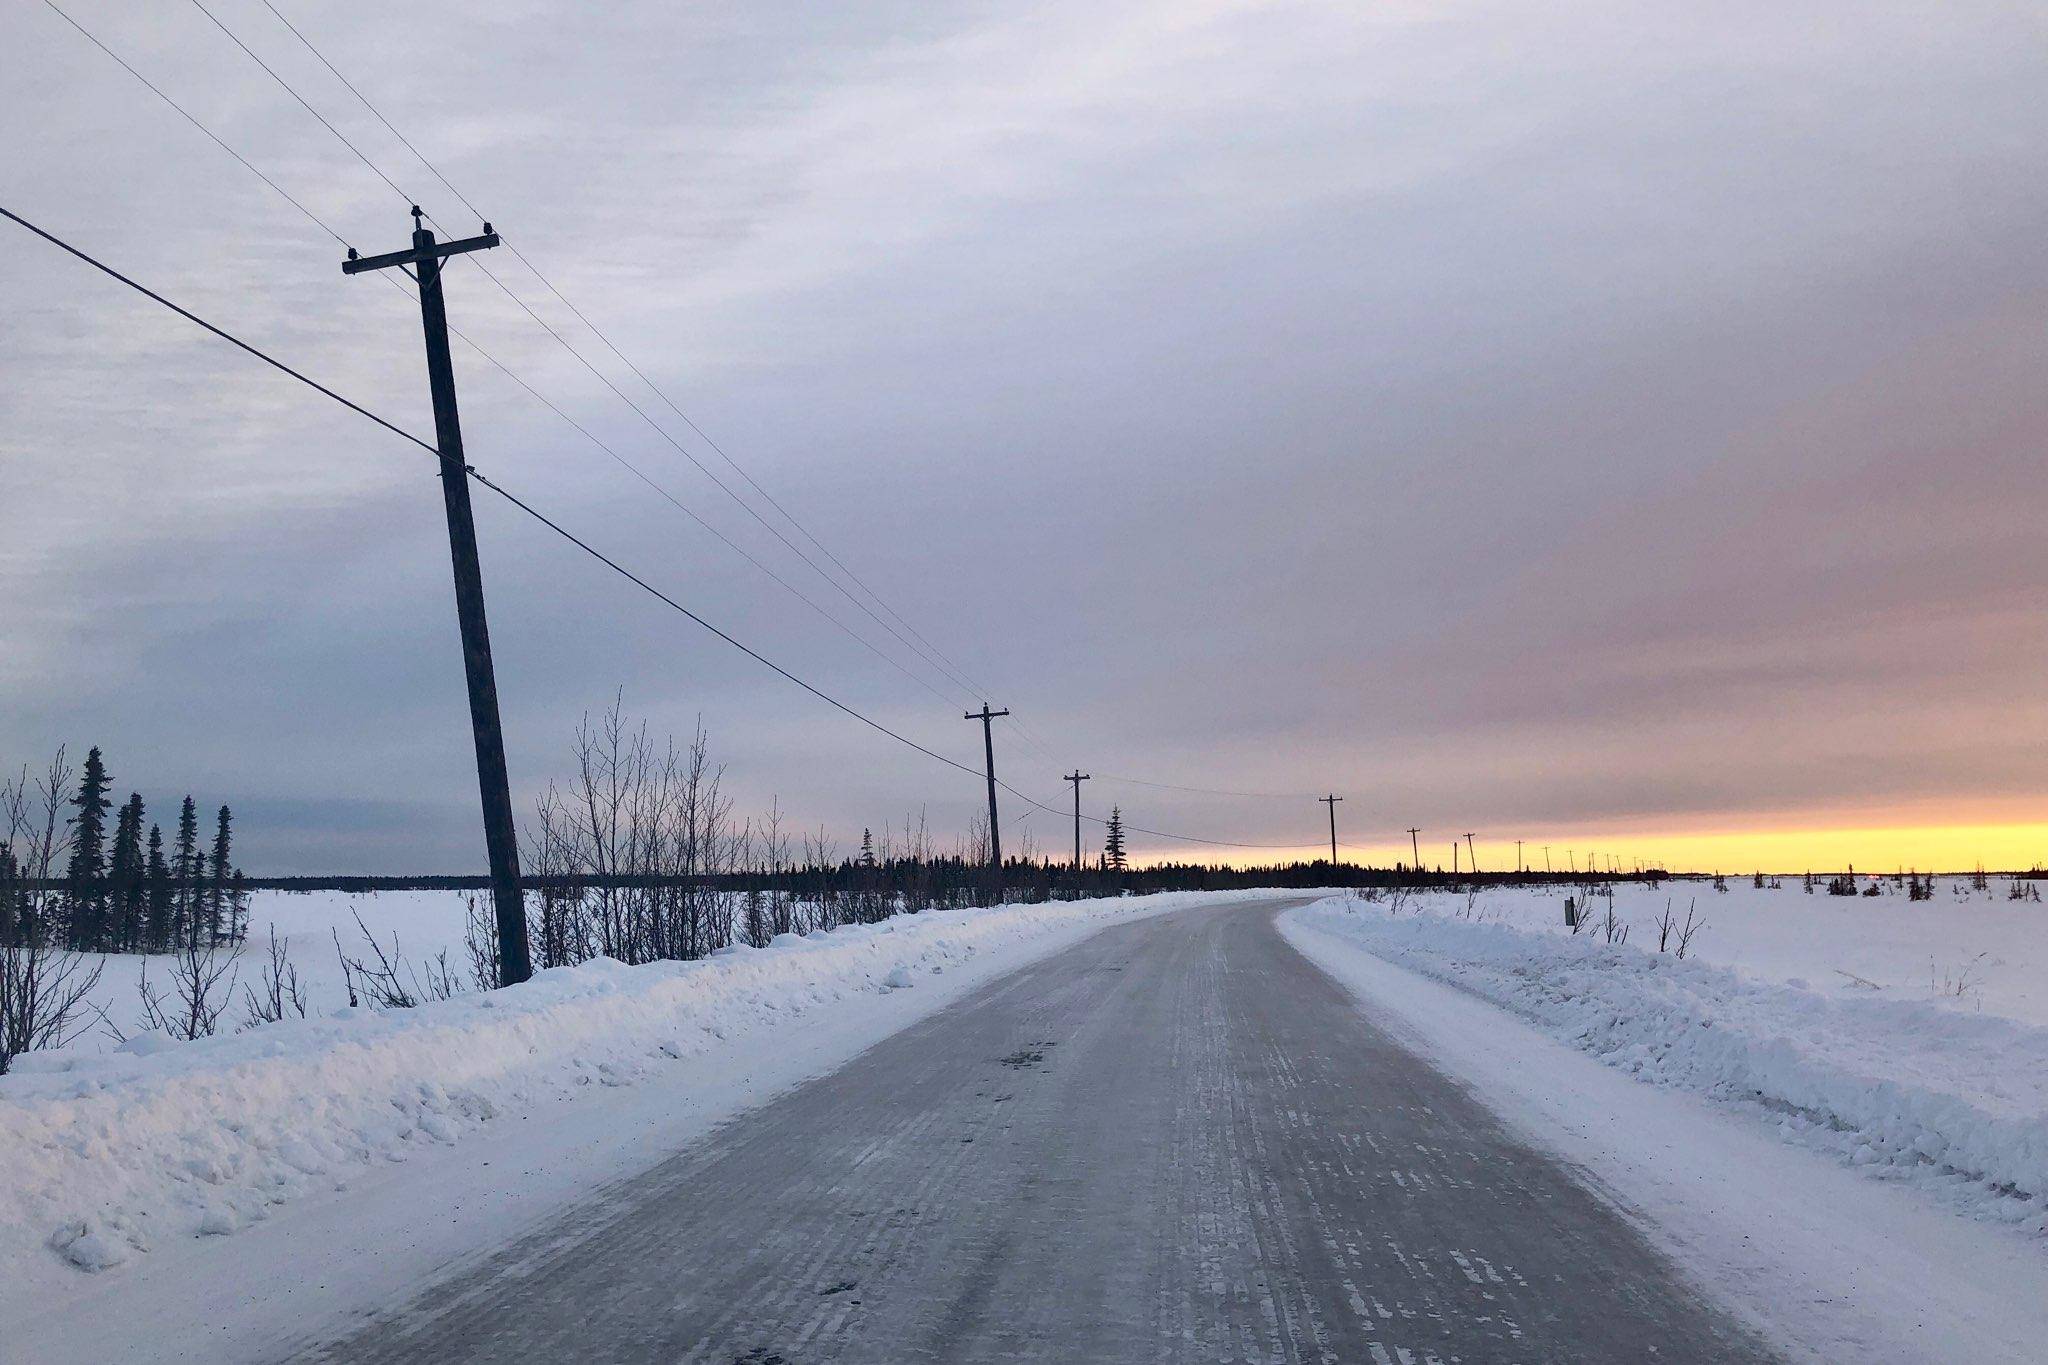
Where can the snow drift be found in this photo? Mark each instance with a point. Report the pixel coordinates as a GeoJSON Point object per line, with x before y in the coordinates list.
{"type": "Point", "coordinates": [1916, 1091]}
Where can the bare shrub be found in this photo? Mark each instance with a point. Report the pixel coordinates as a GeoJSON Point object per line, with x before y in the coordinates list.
{"type": "Point", "coordinates": [385, 980]}
{"type": "Point", "coordinates": [560, 933]}
{"type": "Point", "coordinates": [1956, 983]}
{"type": "Point", "coordinates": [1673, 935]}
{"type": "Point", "coordinates": [1613, 927]}
{"type": "Point", "coordinates": [202, 988]}
{"type": "Point", "coordinates": [44, 988]}
{"type": "Point", "coordinates": [650, 830]}
{"type": "Point", "coordinates": [278, 994]}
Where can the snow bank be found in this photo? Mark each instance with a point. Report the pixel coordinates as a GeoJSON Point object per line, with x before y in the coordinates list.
{"type": "Point", "coordinates": [1994, 949]}
{"type": "Point", "coordinates": [110, 1154]}
{"type": "Point", "coordinates": [1912, 1090]}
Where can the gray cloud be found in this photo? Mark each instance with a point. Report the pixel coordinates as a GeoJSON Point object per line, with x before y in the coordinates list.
{"type": "Point", "coordinates": [1510, 417]}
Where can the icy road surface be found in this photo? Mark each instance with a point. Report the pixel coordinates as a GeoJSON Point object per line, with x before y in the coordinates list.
{"type": "Point", "coordinates": [1175, 1141]}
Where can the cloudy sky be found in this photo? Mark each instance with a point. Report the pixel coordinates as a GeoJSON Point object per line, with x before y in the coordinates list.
{"type": "Point", "coordinates": [1610, 425]}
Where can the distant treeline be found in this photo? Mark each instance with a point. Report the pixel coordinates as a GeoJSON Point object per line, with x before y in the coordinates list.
{"type": "Point", "coordinates": [1036, 880]}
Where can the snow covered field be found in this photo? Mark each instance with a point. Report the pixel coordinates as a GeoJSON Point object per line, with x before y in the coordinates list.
{"type": "Point", "coordinates": [422, 923]}
{"type": "Point", "coordinates": [1883, 947]}
{"type": "Point", "coordinates": [1905, 1038]}
{"type": "Point", "coordinates": [379, 1127]}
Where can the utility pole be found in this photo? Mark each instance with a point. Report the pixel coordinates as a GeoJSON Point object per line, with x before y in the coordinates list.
{"type": "Point", "coordinates": [1331, 801]}
{"type": "Point", "coordinates": [1472, 856]}
{"type": "Point", "coordinates": [1454, 858]}
{"type": "Point", "coordinates": [1518, 857]}
{"type": "Point", "coordinates": [500, 839]}
{"type": "Point", "coordinates": [1546, 860]}
{"type": "Point", "coordinates": [1415, 846]}
{"type": "Point", "coordinates": [1077, 777]}
{"type": "Point", "coordinates": [995, 835]}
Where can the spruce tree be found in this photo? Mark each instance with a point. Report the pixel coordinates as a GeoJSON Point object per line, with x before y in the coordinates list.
{"type": "Point", "coordinates": [1113, 846]}
{"type": "Point", "coordinates": [185, 872]}
{"type": "Point", "coordinates": [218, 907]}
{"type": "Point", "coordinates": [157, 919]}
{"type": "Point", "coordinates": [124, 878]}
{"type": "Point", "coordinates": [12, 893]}
{"type": "Point", "coordinates": [86, 874]}
{"type": "Point", "coordinates": [238, 906]}
{"type": "Point", "coordinates": [196, 924]}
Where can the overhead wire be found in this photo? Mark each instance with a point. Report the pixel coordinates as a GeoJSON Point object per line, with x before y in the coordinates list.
{"type": "Point", "coordinates": [945, 666]}
{"type": "Point", "coordinates": [929, 653]}
{"type": "Point", "coordinates": [159, 93]}
{"type": "Point", "coordinates": [553, 333]}
{"type": "Point", "coordinates": [223, 334]}
{"type": "Point", "coordinates": [477, 476]}
{"type": "Point", "coordinates": [551, 524]}
{"type": "Point", "coordinates": [477, 347]}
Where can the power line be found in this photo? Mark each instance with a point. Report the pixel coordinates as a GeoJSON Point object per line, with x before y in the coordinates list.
{"type": "Point", "coordinates": [930, 653]}
{"type": "Point", "coordinates": [506, 370]}
{"type": "Point", "coordinates": [374, 168]}
{"type": "Point", "coordinates": [431, 168]}
{"type": "Point", "coordinates": [581, 544]}
{"type": "Point", "coordinates": [473, 473]}
{"type": "Point", "coordinates": [558, 338]}
{"type": "Point", "coordinates": [735, 547]}
{"type": "Point", "coordinates": [657, 593]}
{"type": "Point", "coordinates": [158, 92]}
{"type": "Point", "coordinates": [226, 336]}
{"type": "Point", "coordinates": [1211, 791]}
{"type": "Point", "coordinates": [951, 672]}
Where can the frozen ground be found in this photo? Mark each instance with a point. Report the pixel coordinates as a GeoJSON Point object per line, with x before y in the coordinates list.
{"type": "Point", "coordinates": [1883, 1070]}
{"type": "Point", "coordinates": [277, 1158]}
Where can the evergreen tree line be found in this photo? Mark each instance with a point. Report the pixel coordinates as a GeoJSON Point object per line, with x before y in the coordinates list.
{"type": "Point", "coordinates": [123, 890]}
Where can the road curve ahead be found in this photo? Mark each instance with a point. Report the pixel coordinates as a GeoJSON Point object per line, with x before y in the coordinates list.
{"type": "Point", "coordinates": [1175, 1142]}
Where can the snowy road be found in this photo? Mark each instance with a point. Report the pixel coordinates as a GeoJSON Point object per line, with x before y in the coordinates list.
{"type": "Point", "coordinates": [1175, 1141]}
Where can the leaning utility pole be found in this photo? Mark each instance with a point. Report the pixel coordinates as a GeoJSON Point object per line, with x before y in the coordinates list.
{"type": "Point", "coordinates": [1331, 801]}
{"type": "Point", "coordinates": [500, 840]}
{"type": "Point", "coordinates": [1471, 856]}
{"type": "Point", "coordinates": [995, 836]}
{"type": "Point", "coordinates": [1077, 777]}
{"type": "Point", "coordinates": [1415, 846]}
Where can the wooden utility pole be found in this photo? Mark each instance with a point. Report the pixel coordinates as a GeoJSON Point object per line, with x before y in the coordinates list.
{"type": "Point", "coordinates": [1546, 860]}
{"type": "Point", "coordinates": [1454, 857]}
{"type": "Point", "coordinates": [1518, 857]}
{"type": "Point", "coordinates": [500, 839]}
{"type": "Point", "coordinates": [995, 835]}
{"type": "Point", "coordinates": [1077, 777]}
{"type": "Point", "coordinates": [1415, 846]}
{"type": "Point", "coordinates": [1471, 855]}
{"type": "Point", "coordinates": [1331, 801]}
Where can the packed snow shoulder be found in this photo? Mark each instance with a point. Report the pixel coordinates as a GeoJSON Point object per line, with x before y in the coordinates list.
{"type": "Point", "coordinates": [1914, 1090]}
